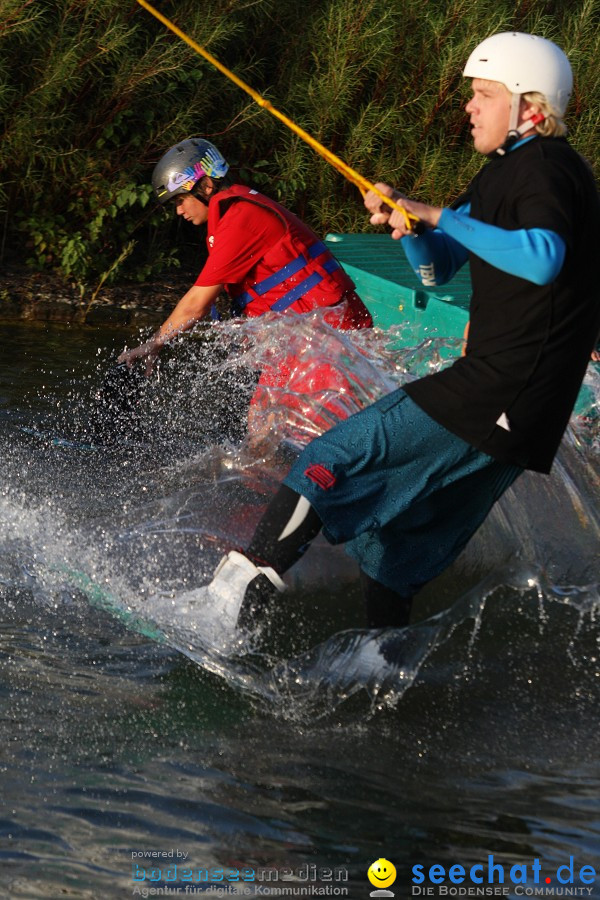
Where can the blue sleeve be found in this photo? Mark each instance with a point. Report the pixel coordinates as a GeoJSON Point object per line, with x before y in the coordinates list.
{"type": "Point", "coordinates": [435, 256]}
{"type": "Point", "coordinates": [535, 254]}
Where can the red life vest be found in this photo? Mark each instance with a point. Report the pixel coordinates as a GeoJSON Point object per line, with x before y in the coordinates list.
{"type": "Point", "coordinates": [298, 272]}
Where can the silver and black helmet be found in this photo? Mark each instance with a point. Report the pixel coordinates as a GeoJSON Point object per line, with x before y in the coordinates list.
{"type": "Point", "coordinates": [184, 165]}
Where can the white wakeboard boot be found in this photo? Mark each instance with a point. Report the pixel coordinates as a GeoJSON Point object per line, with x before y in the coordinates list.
{"type": "Point", "coordinates": [231, 604]}
{"type": "Point", "coordinates": [240, 591]}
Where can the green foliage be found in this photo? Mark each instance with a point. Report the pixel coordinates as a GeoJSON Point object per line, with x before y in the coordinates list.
{"type": "Point", "coordinates": [92, 92]}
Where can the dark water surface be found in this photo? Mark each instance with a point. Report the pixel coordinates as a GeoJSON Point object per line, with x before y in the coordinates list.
{"type": "Point", "coordinates": [291, 761]}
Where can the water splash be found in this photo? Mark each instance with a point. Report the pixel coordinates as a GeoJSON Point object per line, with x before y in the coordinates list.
{"type": "Point", "coordinates": [448, 649]}
{"type": "Point", "coordinates": [154, 510]}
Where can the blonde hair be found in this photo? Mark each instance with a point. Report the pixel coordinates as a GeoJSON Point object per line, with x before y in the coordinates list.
{"type": "Point", "coordinates": [552, 125]}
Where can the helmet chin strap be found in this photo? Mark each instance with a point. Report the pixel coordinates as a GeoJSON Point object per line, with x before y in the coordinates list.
{"type": "Point", "coordinates": [515, 105]}
{"type": "Point", "coordinates": [198, 191]}
{"type": "Point", "coordinates": [516, 131]}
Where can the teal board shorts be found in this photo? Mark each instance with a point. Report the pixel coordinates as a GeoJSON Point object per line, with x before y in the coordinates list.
{"type": "Point", "coordinates": [402, 492]}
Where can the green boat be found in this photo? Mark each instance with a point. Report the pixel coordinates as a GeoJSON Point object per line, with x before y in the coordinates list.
{"type": "Point", "coordinates": [394, 295]}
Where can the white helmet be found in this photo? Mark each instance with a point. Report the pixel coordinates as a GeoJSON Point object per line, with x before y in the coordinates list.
{"type": "Point", "coordinates": [524, 63]}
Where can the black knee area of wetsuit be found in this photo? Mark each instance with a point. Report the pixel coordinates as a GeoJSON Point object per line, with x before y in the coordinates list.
{"type": "Point", "coordinates": [266, 549]}
{"type": "Point", "coordinates": [385, 608]}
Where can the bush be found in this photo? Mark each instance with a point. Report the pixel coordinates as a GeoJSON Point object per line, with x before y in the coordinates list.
{"type": "Point", "coordinates": [92, 92]}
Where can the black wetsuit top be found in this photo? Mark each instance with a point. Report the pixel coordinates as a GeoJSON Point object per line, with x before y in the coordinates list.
{"type": "Point", "coordinates": [528, 345]}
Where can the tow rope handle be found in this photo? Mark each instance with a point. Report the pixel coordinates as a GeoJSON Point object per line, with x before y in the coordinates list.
{"type": "Point", "coordinates": [411, 221]}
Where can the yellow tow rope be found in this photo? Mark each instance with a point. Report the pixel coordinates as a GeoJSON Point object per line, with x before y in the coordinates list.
{"type": "Point", "coordinates": [354, 177]}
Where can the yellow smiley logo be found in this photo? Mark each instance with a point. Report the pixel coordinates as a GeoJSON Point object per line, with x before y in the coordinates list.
{"type": "Point", "coordinates": [382, 873]}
